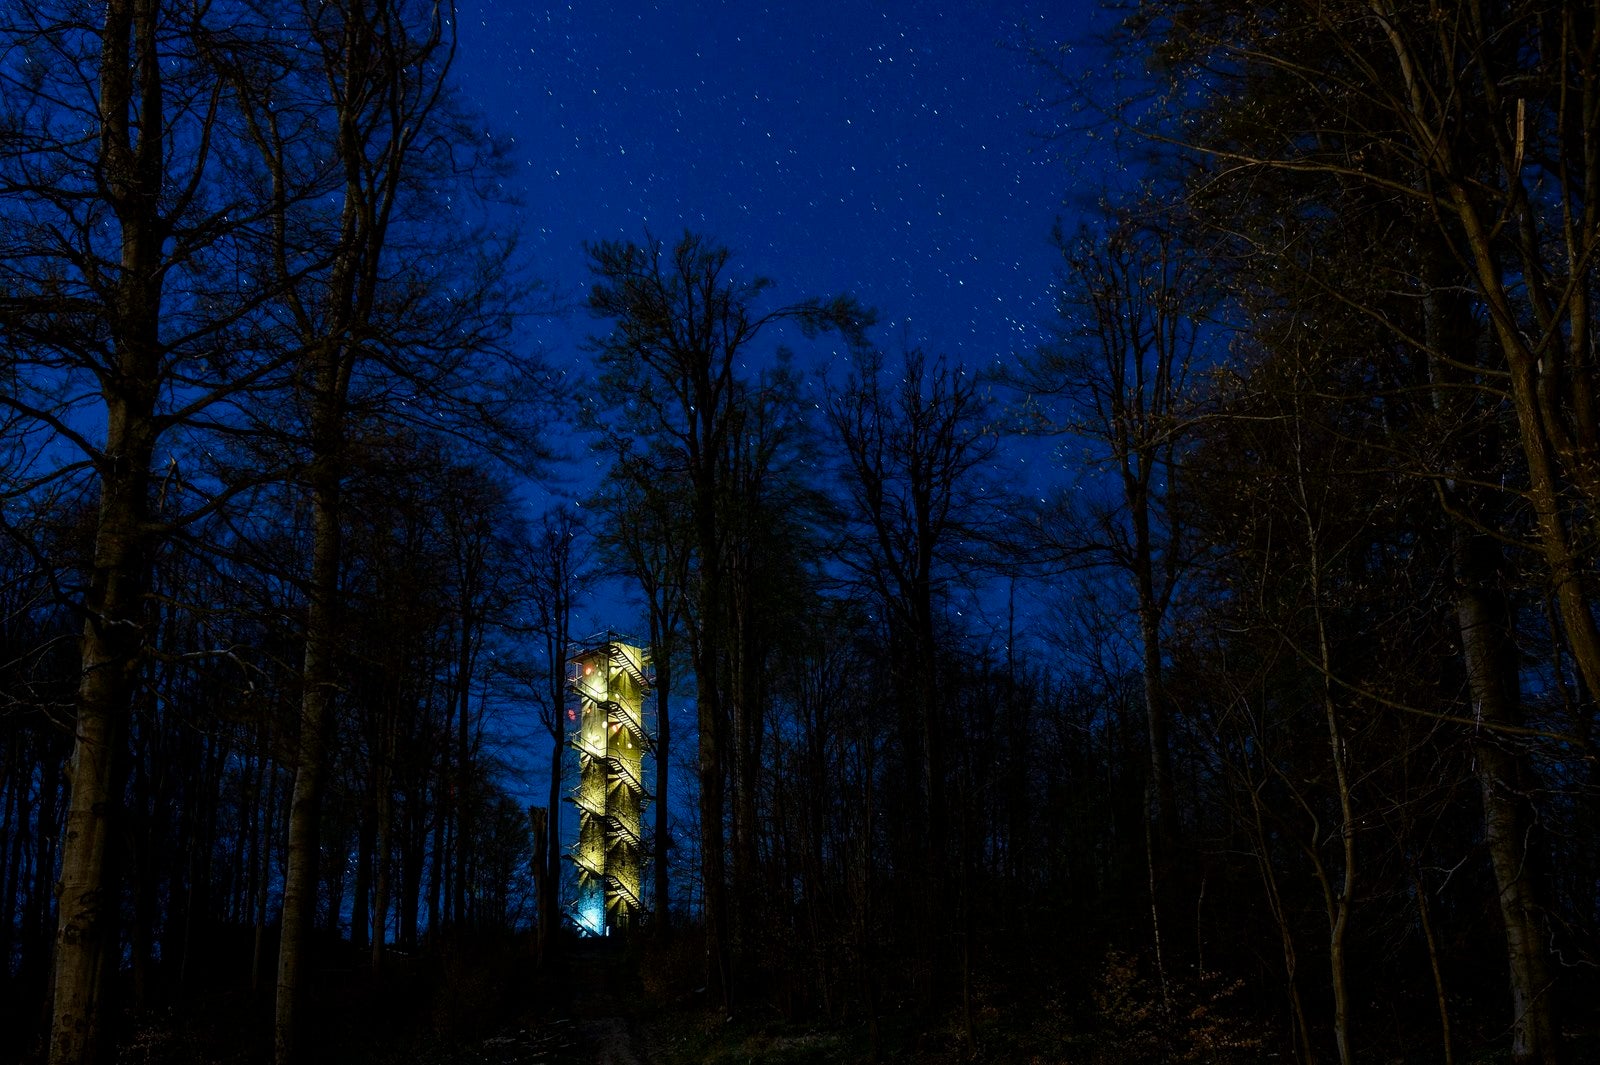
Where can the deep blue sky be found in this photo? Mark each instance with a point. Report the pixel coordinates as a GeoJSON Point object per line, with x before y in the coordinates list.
{"type": "Point", "coordinates": [890, 150]}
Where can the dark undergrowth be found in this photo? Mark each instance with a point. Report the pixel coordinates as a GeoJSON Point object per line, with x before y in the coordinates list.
{"type": "Point", "coordinates": [463, 1001]}
{"type": "Point", "coordinates": [1115, 1015]}
{"type": "Point", "coordinates": [493, 1003]}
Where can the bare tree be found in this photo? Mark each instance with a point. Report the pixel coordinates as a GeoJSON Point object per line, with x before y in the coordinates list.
{"type": "Point", "coordinates": [682, 319]}
{"type": "Point", "coordinates": [1116, 377]}
{"type": "Point", "coordinates": [556, 558]}
{"type": "Point", "coordinates": [1481, 156]}
{"type": "Point", "coordinates": [912, 450]}
{"type": "Point", "coordinates": [118, 312]}
{"type": "Point", "coordinates": [379, 337]}
{"type": "Point", "coordinates": [648, 536]}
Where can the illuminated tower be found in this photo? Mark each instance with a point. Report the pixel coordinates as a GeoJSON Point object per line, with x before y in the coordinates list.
{"type": "Point", "coordinates": [609, 681]}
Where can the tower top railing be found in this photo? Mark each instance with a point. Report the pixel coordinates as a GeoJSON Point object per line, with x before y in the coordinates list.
{"type": "Point", "coordinates": [614, 646]}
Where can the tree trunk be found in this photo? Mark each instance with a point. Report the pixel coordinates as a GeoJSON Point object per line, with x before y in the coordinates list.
{"type": "Point", "coordinates": [413, 857]}
{"type": "Point", "coordinates": [366, 845]}
{"type": "Point", "coordinates": [436, 856]}
{"type": "Point", "coordinates": [708, 657]}
{"type": "Point", "coordinates": [663, 831]}
{"type": "Point", "coordinates": [1568, 568]}
{"type": "Point", "coordinates": [1155, 707]}
{"type": "Point", "coordinates": [149, 853]}
{"type": "Point", "coordinates": [1338, 895]}
{"type": "Point", "coordinates": [382, 860]}
{"type": "Point", "coordinates": [1489, 657]}
{"type": "Point", "coordinates": [1508, 825]}
{"type": "Point", "coordinates": [1425, 916]}
{"type": "Point", "coordinates": [263, 873]}
{"type": "Point", "coordinates": [86, 933]}
{"type": "Point", "coordinates": [936, 877]}
{"type": "Point", "coordinates": [550, 881]}
{"type": "Point", "coordinates": [13, 910]}
{"type": "Point", "coordinates": [33, 968]}
{"type": "Point", "coordinates": [1280, 918]}
{"type": "Point", "coordinates": [320, 682]}
{"type": "Point", "coordinates": [1161, 816]}
{"type": "Point", "coordinates": [463, 821]}
{"type": "Point", "coordinates": [747, 721]}
{"type": "Point", "coordinates": [113, 636]}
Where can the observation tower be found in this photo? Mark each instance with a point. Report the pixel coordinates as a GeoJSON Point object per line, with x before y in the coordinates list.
{"type": "Point", "coordinates": [609, 682]}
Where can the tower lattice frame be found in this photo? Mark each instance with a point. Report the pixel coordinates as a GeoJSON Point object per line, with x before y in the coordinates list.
{"type": "Point", "coordinates": [608, 680]}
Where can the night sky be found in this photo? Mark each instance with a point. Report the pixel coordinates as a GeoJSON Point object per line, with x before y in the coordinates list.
{"type": "Point", "coordinates": [891, 150]}
{"type": "Point", "coordinates": [895, 151]}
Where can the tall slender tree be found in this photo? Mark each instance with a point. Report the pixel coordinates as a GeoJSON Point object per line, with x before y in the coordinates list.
{"type": "Point", "coordinates": [682, 321]}
{"type": "Point", "coordinates": [376, 324]}
{"type": "Point", "coordinates": [1117, 377]}
{"type": "Point", "coordinates": [647, 535]}
{"type": "Point", "coordinates": [556, 558]}
{"type": "Point", "coordinates": [912, 451]}
{"type": "Point", "coordinates": [1435, 125]}
{"type": "Point", "coordinates": [123, 328]}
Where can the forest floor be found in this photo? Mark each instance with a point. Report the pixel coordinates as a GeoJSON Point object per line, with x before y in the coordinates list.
{"type": "Point", "coordinates": [597, 1004]}
{"type": "Point", "coordinates": [601, 1003]}
{"type": "Point", "coordinates": [593, 1008]}
{"type": "Point", "coordinates": [601, 999]}
{"type": "Point", "coordinates": [493, 1003]}
{"type": "Point", "coordinates": [617, 1003]}
{"type": "Point", "coordinates": [583, 1010]}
